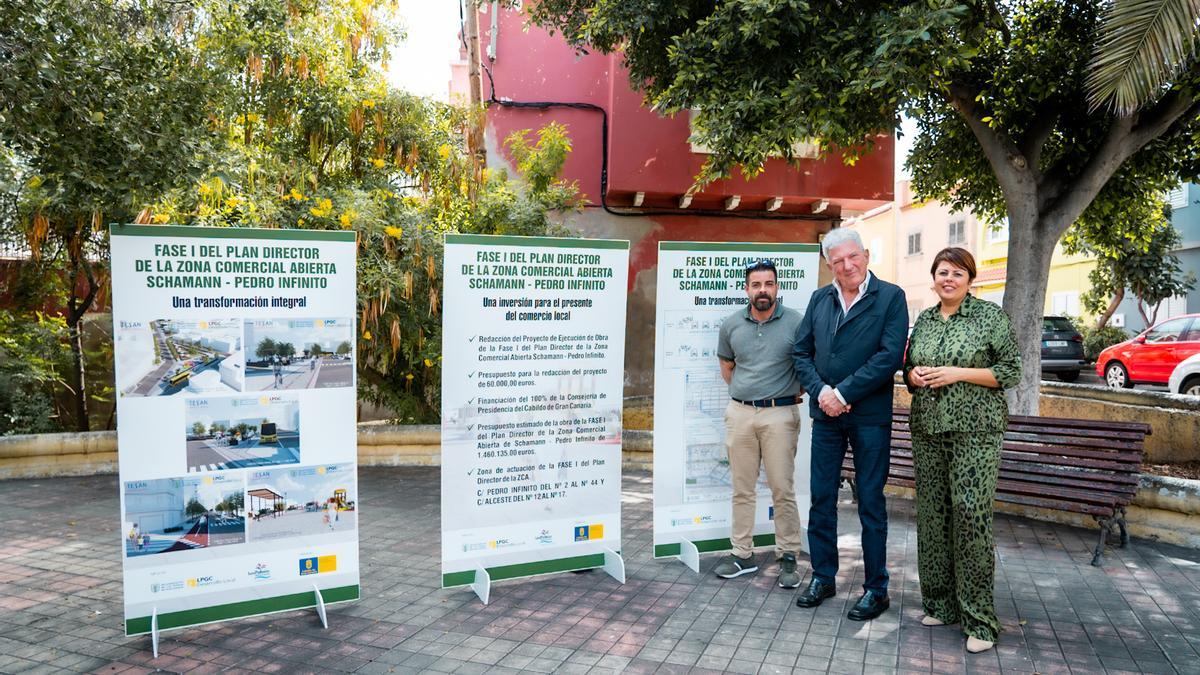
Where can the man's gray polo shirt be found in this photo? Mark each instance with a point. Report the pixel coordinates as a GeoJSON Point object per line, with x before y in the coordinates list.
{"type": "Point", "coordinates": [762, 353]}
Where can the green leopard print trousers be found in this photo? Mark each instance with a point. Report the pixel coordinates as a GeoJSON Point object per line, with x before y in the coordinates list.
{"type": "Point", "coordinates": [956, 482]}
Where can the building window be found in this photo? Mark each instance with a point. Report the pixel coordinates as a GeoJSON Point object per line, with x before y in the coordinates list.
{"type": "Point", "coordinates": [914, 309]}
{"type": "Point", "coordinates": [914, 243]}
{"type": "Point", "coordinates": [1065, 303]}
{"type": "Point", "coordinates": [997, 232]}
{"type": "Point", "coordinates": [1171, 307]}
{"type": "Point", "coordinates": [958, 232]}
{"type": "Point", "coordinates": [1178, 198]}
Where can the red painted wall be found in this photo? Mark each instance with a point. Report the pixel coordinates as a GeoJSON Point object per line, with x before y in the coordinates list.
{"type": "Point", "coordinates": [649, 152]}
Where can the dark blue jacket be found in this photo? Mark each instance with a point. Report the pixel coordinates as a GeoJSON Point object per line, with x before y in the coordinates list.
{"type": "Point", "coordinates": [858, 355]}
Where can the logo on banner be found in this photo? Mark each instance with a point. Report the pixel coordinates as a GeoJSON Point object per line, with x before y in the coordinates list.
{"type": "Point", "coordinates": [770, 513]}
{"type": "Point", "coordinates": [318, 565]}
{"type": "Point", "coordinates": [166, 586]}
{"type": "Point", "coordinates": [201, 582]}
{"type": "Point", "coordinates": [260, 572]}
{"type": "Point", "coordinates": [544, 537]}
{"type": "Point", "coordinates": [589, 532]}
{"type": "Point", "coordinates": [475, 546]}
{"type": "Point", "coordinates": [695, 520]}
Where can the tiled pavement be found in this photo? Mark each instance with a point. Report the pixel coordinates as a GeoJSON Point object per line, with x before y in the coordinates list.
{"type": "Point", "coordinates": [60, 603]}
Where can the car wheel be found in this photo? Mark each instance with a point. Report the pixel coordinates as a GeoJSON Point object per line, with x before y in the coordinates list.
{"type": "Point", "coordinates": [1191, 386]}
{"type": "Point", "coordinates": [1116, 376]}
{"type": "Point", "coordinates": [1069, 375]}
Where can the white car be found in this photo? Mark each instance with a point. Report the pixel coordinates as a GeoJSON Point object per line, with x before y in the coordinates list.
{"type": "Point", "coordinates": [1185, 379]}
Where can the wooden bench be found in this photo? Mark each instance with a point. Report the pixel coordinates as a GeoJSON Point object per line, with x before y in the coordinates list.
{"type": "Point", "coordinates": [1090, 467]}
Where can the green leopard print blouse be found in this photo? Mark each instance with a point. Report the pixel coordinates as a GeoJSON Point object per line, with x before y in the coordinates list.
{"type": "Point", "coordinates": [979, 335]}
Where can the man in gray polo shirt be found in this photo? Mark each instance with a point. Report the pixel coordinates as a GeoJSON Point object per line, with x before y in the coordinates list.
{"type": "Point", "coordinates": [762, 422]}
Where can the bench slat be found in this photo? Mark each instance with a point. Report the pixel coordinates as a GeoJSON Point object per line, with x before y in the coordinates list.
{"type": "Point", "coordinates": [1081, 466]}
{"type": "Point", "coordinates": [1124, 487]}
{"type": "Point", "coordinates": [1104, 446]}
{"type": "Point", "coordinates": [1058, 422]}
{"type": "Point", "coordinates": [1041, 490]}
{"type": "Point", "coordinates": [1114, 461]}
{"type": "Point", "coordinates": [1043, 503]}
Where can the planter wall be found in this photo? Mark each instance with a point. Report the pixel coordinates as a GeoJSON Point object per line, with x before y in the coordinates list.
{"type": "Point", "coordinates": [1166, 509]}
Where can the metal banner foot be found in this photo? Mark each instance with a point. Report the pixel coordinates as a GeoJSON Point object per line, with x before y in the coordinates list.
{"type": "Point", "coordinates": [614, 565]}
{"type": "Point", "coordinates": [482, 584]}
{"type": "Point", "coordinates": [689, 555]}
{"type": "Point", "coordinates": [321, 607]}
{"type": "Point", "coordinates": [154, 631]}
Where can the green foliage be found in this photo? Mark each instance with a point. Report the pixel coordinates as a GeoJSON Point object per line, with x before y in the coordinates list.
{"type": "Point", "coordinates": [33, 359]}
{"type": "Point", "coordinates": [1031, 84]}
{"type": "Point", "coordinates": [312, 137]}
{"type": "Point", "coordinates": [1133, 246]}
{"type": "Point", "coordinates": [1096, 340]}
{"type": "Point", "coordinates": [997, 88]}
{"type": "Point", "coordinates": [194, 507]}
{"type": "Point", "coordinates": [1142, 45]}
{"type": "Point", "coordinates": [98, 114]}
{"type": "Point", "coordinates": [265, 348]}
{"type": "Point", "coordinates": [261, 113]}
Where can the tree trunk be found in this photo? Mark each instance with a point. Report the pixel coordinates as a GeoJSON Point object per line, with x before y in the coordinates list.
{"type": "Point", "coordinates": [78, 380]}
{"type": "Point", "coordinates": [1112, 309]}
{"type": "Point", "coordinates": [1147, 320]}
{"type": "Point", "coordinates": [76, 308]}
{"type": "Point", "coordinates": [1025, 302]}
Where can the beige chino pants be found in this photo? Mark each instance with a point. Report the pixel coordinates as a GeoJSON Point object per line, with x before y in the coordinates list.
{"type": "Point", "coordinates": [766, 437]}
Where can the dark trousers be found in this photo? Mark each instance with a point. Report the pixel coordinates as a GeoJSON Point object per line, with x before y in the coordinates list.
{"type": "Point", "coordinates": [872, 456]}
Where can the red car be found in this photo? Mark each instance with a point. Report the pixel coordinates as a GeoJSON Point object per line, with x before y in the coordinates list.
{"type": "Point", "coordinates": [1150, 357]}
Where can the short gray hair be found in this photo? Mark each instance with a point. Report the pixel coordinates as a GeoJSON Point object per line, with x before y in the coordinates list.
{"type": "Point", "coordinates": [838, 236]}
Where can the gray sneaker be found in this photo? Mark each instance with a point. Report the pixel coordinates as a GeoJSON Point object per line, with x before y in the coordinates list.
{"type": "Point", "coordinates": [734, 566]}
{"type": "Point", "coordinates": [788, 577]}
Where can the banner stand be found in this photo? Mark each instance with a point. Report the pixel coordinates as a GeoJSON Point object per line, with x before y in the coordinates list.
{"type": "Point", "coordinates": [320, 607]}
{"type": "Point", "coordinates": [482, 584]}
{"type": "Point", "coordinates": [614, 565]}
{"type": "Point", "coordinates": [154, 631]}
{"type": "Point", "coordinates": [689, 555]}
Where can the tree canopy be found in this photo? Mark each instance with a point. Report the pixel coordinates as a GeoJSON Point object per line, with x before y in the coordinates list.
{"type": "Point", "coordinates": [999, 92]}
{"type": "Point", "coordinates": [264, 113]}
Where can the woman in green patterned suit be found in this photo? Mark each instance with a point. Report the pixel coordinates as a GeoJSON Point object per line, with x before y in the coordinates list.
{"type": "Point", "coordinates": [962, 354]}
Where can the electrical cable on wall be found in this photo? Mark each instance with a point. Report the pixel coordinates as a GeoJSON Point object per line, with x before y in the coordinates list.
{"type": "Point", "coordinates": [627, 213]}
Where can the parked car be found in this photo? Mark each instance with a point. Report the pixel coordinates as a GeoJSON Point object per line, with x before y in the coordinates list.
{"type": "Point", "coordinates": [1185, 379]}
{"type": "Point", "coordinates": [1150, 357]}
{"type": "Point", "coordinates": [1062, 348]}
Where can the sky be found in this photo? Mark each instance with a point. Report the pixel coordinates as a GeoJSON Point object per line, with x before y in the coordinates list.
{"type": "Point", "coordinates": [421, 63]}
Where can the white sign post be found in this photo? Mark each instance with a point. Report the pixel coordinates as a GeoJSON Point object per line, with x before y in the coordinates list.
{"type": "Point", "coordinates": [234, 357]}
{"type": "Point", "coordinates": [533, 335]}
{"type": "Point", "coordinates": [699, 285]}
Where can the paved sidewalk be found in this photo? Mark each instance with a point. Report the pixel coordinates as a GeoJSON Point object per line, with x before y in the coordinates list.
{"type": "Point", "coordinates": [60, 592]}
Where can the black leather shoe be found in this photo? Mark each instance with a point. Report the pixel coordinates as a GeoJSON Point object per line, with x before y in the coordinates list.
{"type": "Point", "coordinates": [817, 592]}
{"type": "Point", "coordinates": [869, 606]}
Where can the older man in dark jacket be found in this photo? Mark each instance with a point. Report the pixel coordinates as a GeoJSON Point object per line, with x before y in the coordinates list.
{"type": "Point", "coordinates": [850, 344]}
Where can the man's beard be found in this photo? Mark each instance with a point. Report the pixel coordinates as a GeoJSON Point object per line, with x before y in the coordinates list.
{"type": "Point", "coordinates": [763, 302]}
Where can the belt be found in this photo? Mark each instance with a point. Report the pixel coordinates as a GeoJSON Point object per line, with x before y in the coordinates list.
{"type": "Point", "coordinates": [771, 402]}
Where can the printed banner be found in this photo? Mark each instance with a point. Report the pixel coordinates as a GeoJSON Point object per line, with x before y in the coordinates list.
{"type": "Point", "coordinates": [533, 335]}
{"type": "Point", "coordinates": [234, 352]}
{"type": "Point", "coordinates": [699, 285]}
